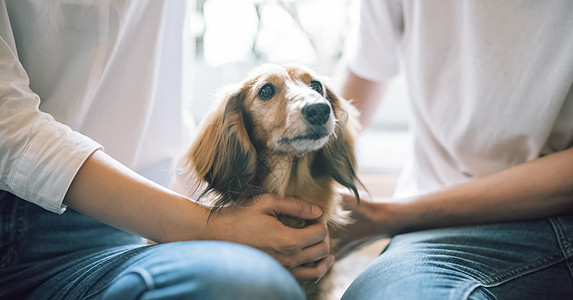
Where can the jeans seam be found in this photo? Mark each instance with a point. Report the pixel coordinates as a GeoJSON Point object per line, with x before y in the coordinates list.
{"type": "Point", "coordinates": [145, 276]}
{"type": "Point", "coordinates": [508, 275]}
{"type": "Point", "coordinates": [514, 273]}
{"type": "Point", "coordinates": [467, 293]}
{"type": "Point", "coordinates": [564, 244]}
{"type": "Point", "coordinates": [138, 271]}
{"type": "Point", "coordinates": [86, 274]}
{"type": "Point", "coordinates": [16, 224]}
{"type": "Point", "coordinates": [104, 287]}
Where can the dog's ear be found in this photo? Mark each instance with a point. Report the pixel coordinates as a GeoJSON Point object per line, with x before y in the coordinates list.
{"type": "Point", "coordinates": [222, 156]}
{"type": "Point", "coordinates": [339, 151]}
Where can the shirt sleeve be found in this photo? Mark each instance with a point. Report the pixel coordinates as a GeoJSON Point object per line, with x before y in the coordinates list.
{"type": "Point", "coordinates": [374, 55]}
{"type": "Point", "coordinates": [39, 157]}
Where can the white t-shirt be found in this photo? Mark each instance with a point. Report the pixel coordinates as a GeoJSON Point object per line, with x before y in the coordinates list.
{"type": "Point", "coordinates": [490, 82]}
{"type": "Point", "coordinates": [114, 71]}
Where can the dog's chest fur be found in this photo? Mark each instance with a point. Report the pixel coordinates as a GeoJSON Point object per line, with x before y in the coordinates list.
{"type": "Point", "coordinates": [293, 176]}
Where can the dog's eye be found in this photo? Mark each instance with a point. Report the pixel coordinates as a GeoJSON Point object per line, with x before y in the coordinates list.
{"type": "Point", "coordinates": [317, 86]}
{"type": "Point", "coordinates": [267, 92]}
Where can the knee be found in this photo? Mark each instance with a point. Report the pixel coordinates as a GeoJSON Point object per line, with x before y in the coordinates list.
{"type": "Point", "coordinates": [401, 276]}
{"type": "Point", "coordinates": [206, 270]}
{"type": "Point", "coordinates": [233, 271]}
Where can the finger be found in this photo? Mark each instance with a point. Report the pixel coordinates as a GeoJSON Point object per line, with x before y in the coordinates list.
{"type": "Point", "coordinates": [296, 241]}
{"type": "Point", "coordinates": [313, 273]}
{"type": "Point", "coordinates": [297, 208]}
{"type": "Point", "coordinates": [315, 252]}
{"type": "Point", "coordinates": [311, 235]}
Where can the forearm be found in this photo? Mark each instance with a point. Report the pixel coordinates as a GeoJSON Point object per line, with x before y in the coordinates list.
{"type": "Point", "coordinates": [111, 193]}
{"type": "Point", "coordinates": [540, 188]}
{"type": "Point", "coordinates": [365, 95]}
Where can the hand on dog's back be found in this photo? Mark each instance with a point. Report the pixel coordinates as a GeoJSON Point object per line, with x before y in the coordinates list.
{"type": "Point", "coordinates": [304, 251]}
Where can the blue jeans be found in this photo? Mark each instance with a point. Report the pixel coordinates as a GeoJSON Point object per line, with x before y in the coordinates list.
{"type": "Point", "coordinates": [48, 256]}
{"type": "Point", "coordinates": [521, 260]}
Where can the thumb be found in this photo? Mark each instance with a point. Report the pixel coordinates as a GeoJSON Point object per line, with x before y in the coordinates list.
{"type": "Point", "coordinates": [297, 208]}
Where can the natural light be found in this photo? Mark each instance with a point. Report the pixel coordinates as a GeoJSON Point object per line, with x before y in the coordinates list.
{"type": "Point", "coordinates": [234, 36]}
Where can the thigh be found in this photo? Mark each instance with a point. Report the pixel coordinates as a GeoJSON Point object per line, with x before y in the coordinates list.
{"type": "Point", "coordinates": [49, 256]}
{"type": "Point", "coordinates": [30, 234]}
{"type": "Point", "coordinates": [478, 262]}
{"type": "Point", "coordinates": [36, 245]}
{"type": "Point", "coordinates": [182, 270]}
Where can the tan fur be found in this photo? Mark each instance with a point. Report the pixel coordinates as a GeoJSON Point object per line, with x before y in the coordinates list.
{"type": "Point", "coordinates": [249, 146]}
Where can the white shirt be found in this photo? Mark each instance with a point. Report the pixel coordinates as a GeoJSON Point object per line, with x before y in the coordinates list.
{"type": "Point", "coordinates": [114, 71]}
{"type": "Point", "coordinates": [490, 82]}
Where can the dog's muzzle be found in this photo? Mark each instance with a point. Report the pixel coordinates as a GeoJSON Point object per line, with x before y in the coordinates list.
{"type": "Point", "coordinates": [316, 113]}
{"type": "Point", "coordinates": [318, 117]}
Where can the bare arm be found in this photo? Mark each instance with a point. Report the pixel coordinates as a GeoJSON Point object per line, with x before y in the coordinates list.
{"type": "Point", "coordinates": [540, 188]}
{"type": "Point", "coordinates": [537, 189]}
{"type": "Point", "coordinates": [366, 95]}
{"type": "Point", "coordinates": [115, 195]}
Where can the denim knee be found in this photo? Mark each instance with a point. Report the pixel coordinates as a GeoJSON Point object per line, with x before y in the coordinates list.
{"type": "Point", "coordinates": [407, 275]}
{"type": "Point", "coordinates": [203, 270]}
{"type": "Point", "coordinates": [475, 262]}
{"type": "Point", "coordinates": [423, 265]}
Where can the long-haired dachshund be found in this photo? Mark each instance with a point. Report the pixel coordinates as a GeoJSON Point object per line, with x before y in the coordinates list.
{"type": "Point", "coordinates": [281, 131]}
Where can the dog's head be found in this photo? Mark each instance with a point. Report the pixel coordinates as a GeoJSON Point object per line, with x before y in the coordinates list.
{"type": "Point", "coordinates": [284, 110]}
{"type": "Point", "coordinates": [288, 110]}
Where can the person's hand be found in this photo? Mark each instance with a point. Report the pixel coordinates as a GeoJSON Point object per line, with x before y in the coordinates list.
{"type": "Point", "coordinates": [371, 222]}
{"type": "Point", "coordinates": [305, 252]}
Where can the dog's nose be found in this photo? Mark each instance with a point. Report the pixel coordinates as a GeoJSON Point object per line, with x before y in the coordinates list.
{"type": "Point", "coordinates": [316, 113]}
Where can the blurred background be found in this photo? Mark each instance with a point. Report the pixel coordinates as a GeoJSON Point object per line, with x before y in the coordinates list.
{"type": "Point", "coordinates": [233, 36]}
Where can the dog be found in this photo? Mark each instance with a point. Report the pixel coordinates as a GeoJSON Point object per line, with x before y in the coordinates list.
{"type": "Point", "coordinates": [281, 131]}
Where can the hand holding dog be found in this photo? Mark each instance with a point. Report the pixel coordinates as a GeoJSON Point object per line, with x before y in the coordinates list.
{"type": "Point", "coordinates": [305, 252]}
{"type": "Point", "coordinates": [158, 214]}
{"type": "Point", "coordinates": [371, 221]}
{"type": "Point", "coordinates": [516, 194]}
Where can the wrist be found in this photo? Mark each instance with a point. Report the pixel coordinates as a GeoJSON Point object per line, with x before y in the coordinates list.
{"type": "Point", "coordinates": [400, 216]}
{"type": "Point", "coordinates": [388, 218]}
{"type": "Point", "coordinates": [380, 218]}
{"type": "Point", "coordinates": [184, 220]}
{"type": "Point", "coordinates": [422, 212]}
